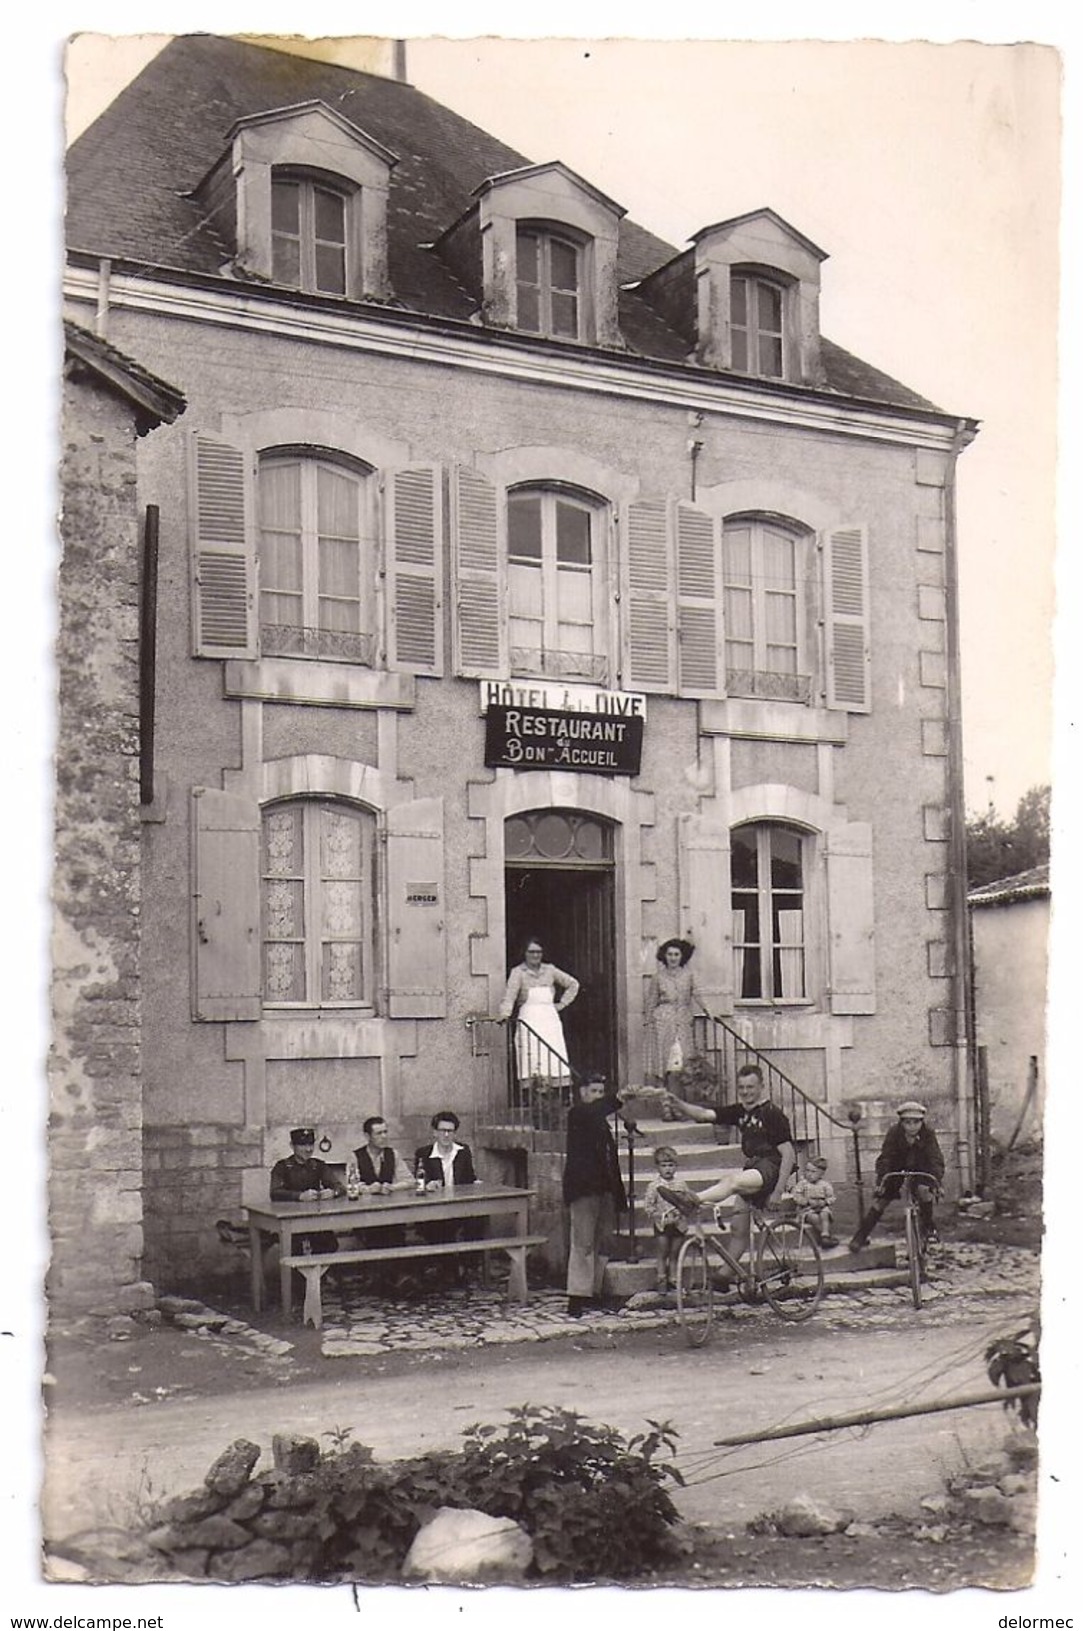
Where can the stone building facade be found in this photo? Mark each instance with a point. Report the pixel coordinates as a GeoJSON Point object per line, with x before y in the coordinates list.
{"type": "Point", "coordinates": [520, 574]}
{"type": "Point", "coordinates": [95, 1067]}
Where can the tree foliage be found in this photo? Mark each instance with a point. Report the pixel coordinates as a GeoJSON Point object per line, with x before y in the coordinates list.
{"type": "Point", "coordinates": [997, 849]}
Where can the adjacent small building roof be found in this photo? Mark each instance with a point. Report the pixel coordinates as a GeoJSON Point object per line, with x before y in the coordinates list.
{"type": "Point", "coordinates": [1030, 885]}
{"type": "Point", "coordinates": [155, 402]}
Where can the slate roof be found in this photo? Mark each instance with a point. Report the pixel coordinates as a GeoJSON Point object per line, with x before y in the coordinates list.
{"type": "Point", "coordinates": [130, 172]}
{"type": "Point", "coordinates": [1030, 885]}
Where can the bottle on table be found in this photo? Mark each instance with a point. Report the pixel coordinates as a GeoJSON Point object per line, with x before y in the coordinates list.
{"type": "Point", "coordinates": [353, 1181]}
{"type": "Point", "coordinates": [421, 1177]}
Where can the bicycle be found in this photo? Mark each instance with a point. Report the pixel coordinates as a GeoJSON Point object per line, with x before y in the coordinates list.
{"type": "Point", "coordinates": [787, 1272]}
{"type": "Point", "coordinates": [917, 1241]}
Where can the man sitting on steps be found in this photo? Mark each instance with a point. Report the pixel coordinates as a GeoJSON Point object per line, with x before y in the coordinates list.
{"type": "Point", "coordinates": [766, 1144]}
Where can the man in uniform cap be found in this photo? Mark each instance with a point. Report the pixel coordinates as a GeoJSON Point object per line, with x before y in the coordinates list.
{"type": "Point", "coordinates": [301, 1177]}
{"type": "Point", "coordinates": [909, 1146]}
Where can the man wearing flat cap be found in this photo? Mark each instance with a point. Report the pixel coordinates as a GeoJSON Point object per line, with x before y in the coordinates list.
{"type": "Point", "coordinates": [909, 1146]}
{"type": "Point", "coordinates": [301, 1177]}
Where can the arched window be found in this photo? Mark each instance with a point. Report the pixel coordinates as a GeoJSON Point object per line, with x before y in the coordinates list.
{"type": "Point", "coordinates": [756, 325]}
{"type": "Point", "coordinates": [765, 568]}
{"type": "Point", "coordinates": [309, 237]}
{"type": "Point", "coordinates": [768, 865]}
{"type": "Point", "coordinates": [316, 571]}
{"type": "Point", "coordinates": [317, 891]}
{"type": "Point", "coordinates": [557, 616]}
{"type": "Point", "coordinates": [549, 279]}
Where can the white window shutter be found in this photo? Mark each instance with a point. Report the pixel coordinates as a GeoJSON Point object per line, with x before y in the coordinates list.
{"type": "Point", "coordinates": [227, 957]}
{"type": "Point", "coordinates": [851, 936]}
{"type": "Point", "coordinates": [223, 552]}
{"type": "Point", "coordinates": [703, 859]}
{"type": "Point", "coordinates": [648, 596]}
{"type": "Point", "coordinates": [480, 577]}
{"type": "Point", "coordinates": [701, 670]}
{"type": "Point", "coordinates": [846, 602]}
{"type": "Point", "coordinates": [416, 910]}
{"type": "Point", "coordinates": [413, 532]}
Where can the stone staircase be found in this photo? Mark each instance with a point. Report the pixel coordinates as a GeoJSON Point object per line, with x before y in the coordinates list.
{"type": "Point", "coordinates": [700, 1162]}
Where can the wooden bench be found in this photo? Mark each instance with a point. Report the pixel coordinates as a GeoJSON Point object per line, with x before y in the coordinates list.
{"type": "Point", "coordinates": [314, 1265]}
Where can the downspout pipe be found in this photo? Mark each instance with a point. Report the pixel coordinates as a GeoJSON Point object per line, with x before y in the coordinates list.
{"type": "Point", "coordinates": [963, 1038]}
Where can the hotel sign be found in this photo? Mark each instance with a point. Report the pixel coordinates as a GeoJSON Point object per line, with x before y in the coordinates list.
{"type": "Point", "coordinates": [547, 739]}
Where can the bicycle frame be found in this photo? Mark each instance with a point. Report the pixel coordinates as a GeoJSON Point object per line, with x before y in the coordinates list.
{"type": "Point", "coordinates": [785, 1271]}
{"type": "Point", "coordinates": [914, 1228]}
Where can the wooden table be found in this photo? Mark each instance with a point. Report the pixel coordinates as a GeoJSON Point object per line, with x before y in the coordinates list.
{"type": "Point", "coordinates": [287, 1219]}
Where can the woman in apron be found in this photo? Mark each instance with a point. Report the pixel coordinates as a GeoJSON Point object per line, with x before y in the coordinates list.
{"type": "Point", "coordinates": [539, 990]}
{"type": "Point", "coordinates": [670, 1004]}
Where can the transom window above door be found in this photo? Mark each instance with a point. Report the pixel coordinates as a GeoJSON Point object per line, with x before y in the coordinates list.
{"type": "Point", "coordinates": [315, 558]}
{"type": "Point", "coordinates": [308, 235]}
{"type": "Point", "coordinates": [557, 835]}
{"type": "Point", "coordinates": [765, 565]}
{"type": "Point", "coordinates": [549, 276]}
{"type": "Point", "coordinates": [558, 620]}
{"type": "Point", "coordinates": [756, 331]}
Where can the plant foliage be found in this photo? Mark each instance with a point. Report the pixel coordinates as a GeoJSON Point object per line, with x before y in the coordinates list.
{"type": "Point", "coordinates": [596, 1505]}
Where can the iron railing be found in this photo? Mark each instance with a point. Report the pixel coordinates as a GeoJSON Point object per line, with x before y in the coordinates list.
{"type": "Point", "coordinates": [535, 1108]}
{"type": "Point", "coordinates": [725, 1051]}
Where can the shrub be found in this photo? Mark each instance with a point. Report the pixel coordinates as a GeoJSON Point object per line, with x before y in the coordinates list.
{"type": "Point", "coordinates": [595, 1505]}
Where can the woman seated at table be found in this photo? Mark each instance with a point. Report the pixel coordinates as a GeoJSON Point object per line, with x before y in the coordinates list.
{"type": "Point", "coordinates": [445, 1164]}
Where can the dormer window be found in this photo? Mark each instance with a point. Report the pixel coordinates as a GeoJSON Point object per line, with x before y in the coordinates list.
{"type": "Point", "coordinates": [548, 281]}
{"type": "Point", "coordinates": [308, 235]}
{"type": "Point", "coordinates": [756, 327]}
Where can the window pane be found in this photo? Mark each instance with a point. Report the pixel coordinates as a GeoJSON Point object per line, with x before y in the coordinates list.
{"type": "Point", "coordinates": [573, 534]}
{"type": "Point", "coordinates": [524, 527]}
{"type": "Point", "coordinates": [518, 839]}
{"type": "Point", "coordinates": [337, 495]}
{"type": "Point", "coordinates": [743, 858]}
{"type": "Point", "coordinates": [341, 975]}
{"type": "Point", "coordinates": [739, 301]}
{"type": "Point", "coordinates": [286, 207]}
{"type": "Point", "coordinates": [527, 258]}
{"type": "Point", "coordinates": [330, 214]}
{"type": "Point", "coordinates": [339, 567]}
{"type": "Point", "coordinates": [785, 859]}
{"type": "Point", "coordinates": [330, 269]}
{"type": "Point", "coordinates": [565, 316]}
{"type": "Point", "coordinates": [737, 554]}
{"type": "Point", "coordinates": [286, 261]}
{"type": "Point", "coordinates": [563, 265]}
{"type": "Point", "coordinates": [770, 357]}
{"type": "Point", "coordinates": [529, 310]}
{"type": "Point", "coordinates": [769, 307]}
{"type": "Point", "coordinates": [553, 836]}
{"type": "Point", "coordinates": [284, 972]}
{"type": "Point", "coordinates": [340, 844]}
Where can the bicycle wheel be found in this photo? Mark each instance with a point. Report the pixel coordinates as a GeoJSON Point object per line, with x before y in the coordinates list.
{"type": "Point", "coordinates": [695, 1294]}
{"type": "Point", "coordinates": [915, 1253]}
{"type": "Point", "coordinates": [790, 1270]}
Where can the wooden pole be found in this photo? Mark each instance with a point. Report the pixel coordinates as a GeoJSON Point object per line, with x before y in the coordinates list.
{"type": "Point", "coordinates": [864, 1418]}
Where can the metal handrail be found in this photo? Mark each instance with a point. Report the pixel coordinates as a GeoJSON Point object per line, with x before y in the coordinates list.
{"type": "Point", "coordinates": [726, 1050]}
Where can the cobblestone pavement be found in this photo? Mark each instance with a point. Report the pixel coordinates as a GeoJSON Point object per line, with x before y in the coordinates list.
{"type": "Point", "coordinates": [470, 1317]}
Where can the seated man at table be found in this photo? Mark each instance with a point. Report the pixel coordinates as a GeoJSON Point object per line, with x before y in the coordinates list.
{"type": "Point", "coordinates": [301, 1177]}
{"type": "Point", "coordinates": [447, 1164]}
{"type": "Point", "coordinates": [381, 1171]}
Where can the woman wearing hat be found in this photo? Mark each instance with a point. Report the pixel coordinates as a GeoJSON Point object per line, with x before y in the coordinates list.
{"type": "Point", "coordinates": [671, 999]}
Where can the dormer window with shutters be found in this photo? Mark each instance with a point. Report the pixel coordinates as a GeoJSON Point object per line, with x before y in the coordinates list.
{"type": "Point", "coordinates": [301, 195]}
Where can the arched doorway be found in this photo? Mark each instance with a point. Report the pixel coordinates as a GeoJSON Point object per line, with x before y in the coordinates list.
{"type": "Point", "coordinates": [558, 885]}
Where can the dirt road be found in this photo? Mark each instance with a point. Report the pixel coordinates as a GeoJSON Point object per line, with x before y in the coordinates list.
{"type": "Point", "coordinates": [756, 1373]}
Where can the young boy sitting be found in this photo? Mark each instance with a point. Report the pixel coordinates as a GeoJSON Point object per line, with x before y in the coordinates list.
{"type": "Point", "coordinates": [814, 1195]}
{"type": "Point", "coordinates": [669, 1224]}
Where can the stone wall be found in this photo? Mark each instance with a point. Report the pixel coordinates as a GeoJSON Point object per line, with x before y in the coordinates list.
{"type": "Point", "coordinates": [96, 1174]}
{"type": "Point", "coordinates": [193, 1177]}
